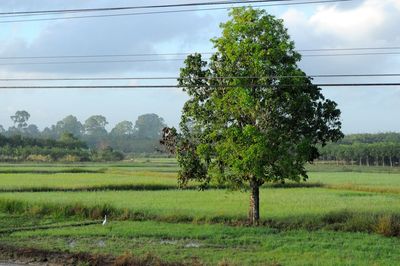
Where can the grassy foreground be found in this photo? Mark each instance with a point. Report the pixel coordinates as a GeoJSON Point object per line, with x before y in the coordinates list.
{"type": "Point", "coordinates": [338, 217]}
{"type": "Point", "coordinates": [217, 243]}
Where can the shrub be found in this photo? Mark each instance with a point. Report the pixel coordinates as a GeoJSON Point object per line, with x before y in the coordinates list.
{"type": "Point", "coordinates": [388, 225]}
{"type": "Point", "coordinates": [39, 158]}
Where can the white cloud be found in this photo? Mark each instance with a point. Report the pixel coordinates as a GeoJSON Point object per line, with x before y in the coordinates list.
{"type": "Point", "coordinates": [372, 23]}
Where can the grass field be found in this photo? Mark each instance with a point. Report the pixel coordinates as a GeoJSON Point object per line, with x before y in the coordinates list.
{"type": "Point", "coordinates": [340, 216]}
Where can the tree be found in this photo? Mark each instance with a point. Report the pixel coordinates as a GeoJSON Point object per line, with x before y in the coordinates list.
{"type": "Point", "coordinates": [20, 119]}
{"type": "Point", "coordinates": [149, 126]}
{"type": "Point", "coordinates": [69, 124]}
{"type": "Point", "coordinates": [124, 128]}
{"type": "Point", "coordinates": [95, 125]}
{"type": "Point", "coordinates": [32, 131]}
{"type": "Point", "coordinates": [260, 125]}
{"type": "Point", "coordinates": [2, 130]}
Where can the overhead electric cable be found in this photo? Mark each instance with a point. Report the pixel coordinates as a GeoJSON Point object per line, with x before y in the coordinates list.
{"type": "Point", "coordinates": [171, 59]}
{"type": "Point", "coordinates": [208, 53]}
{"type": "Point", "coordinates": [101, 9]}
{"type": "Point", "coordinates": [208, 78]}
{"type": "Point", "coordinates": [178, 86]}
{"type": "Point", "coordinates": [166, 11]}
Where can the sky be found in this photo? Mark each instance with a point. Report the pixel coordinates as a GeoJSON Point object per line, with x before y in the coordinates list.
{"type": "Point", "coordinates": [357, 23]}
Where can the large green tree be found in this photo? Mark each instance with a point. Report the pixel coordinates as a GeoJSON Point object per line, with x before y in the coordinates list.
{"type": "Point", "coordinates": [96, 125]}
{"type": "Point", "coordinates": [149, 126]}
{"type": "Point", "coordinates": [70, 124]}
{"type": "Point", "coordinates": [253, 116]}
{"type": "Point", "coordinates": [124, 128]}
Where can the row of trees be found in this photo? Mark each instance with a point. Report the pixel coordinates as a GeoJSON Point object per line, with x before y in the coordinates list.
{"type": "Point", "coordinates": [140, 137]}
{"type": "Point", "coordinates": [67, 149]}
{"type": "Point", "coordinates": [379, 153]}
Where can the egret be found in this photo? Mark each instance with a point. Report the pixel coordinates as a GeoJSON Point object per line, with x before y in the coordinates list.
{"type": "Point", "coordinates": [105, 220]}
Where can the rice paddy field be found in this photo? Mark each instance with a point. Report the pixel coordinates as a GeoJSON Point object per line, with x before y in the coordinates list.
{"type": "Point", "coordinates": [342, 215]}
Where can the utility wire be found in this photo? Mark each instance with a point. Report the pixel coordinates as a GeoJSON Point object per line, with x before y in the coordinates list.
{"type": "Point", "coordinates": [166, 11]}
{"type": "Point", "coordinates": [172, 59]}
{"type": "Point", "coordinates": [204, 53]}
{"type": "Point", "coordinates": [208, 78]}
{"type": "Point", "coordinates": [351, 49]}
{"type": "Point", "coordinates": [178, 86]}
{"type": "Point", "coordinates": [101, 9]}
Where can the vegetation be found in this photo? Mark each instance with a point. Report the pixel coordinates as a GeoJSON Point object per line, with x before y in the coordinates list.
{"type": "Point", "coordinates": [306, 223]}
{"type": "Point", "coordinates": [365, 149]}
{"type": "Point", "coordinates": [247, 131]}
{"type": "Point", "coordinates": [143, 137]}
{"type": "Point", "coordinates": [213, 244]}
{"type": "Point", "coordinates": [67, 149]}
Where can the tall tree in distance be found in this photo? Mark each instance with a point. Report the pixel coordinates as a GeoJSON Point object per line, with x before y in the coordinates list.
{"type": "Point", "coordinates": [20, 119]}
{"type": "Point", "coordinates": [262, 124]}
{"type": "Point", "coordinates": [96, 125]}
{"type": "Point", "coordinates": [124, 128]}
{"type": "Point", "coordinates": [149, 126]}
{"type": "Point", "coordinates": [69, 124]}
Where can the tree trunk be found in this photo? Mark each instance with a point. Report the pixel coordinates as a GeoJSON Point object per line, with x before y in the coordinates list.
{"type": "Point", "coordinates": [391, 161]}
{"type": "Point", "coordinates": [254, 211]}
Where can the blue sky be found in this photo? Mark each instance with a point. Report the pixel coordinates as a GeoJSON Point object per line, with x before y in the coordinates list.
{"type": "Point", "coordinates": [360, 23]}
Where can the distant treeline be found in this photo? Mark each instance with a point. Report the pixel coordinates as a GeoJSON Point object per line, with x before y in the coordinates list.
{"type": "Point", "coordinates": [141, 137]}
{"type": "Point", "coordinates": [18, 148]}
{"type": "Point", "coordinates": [364, 149]}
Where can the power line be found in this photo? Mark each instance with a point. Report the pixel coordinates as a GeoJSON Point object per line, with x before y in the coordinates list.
{"type": "Point", "coordinates": [208, 78]}
{"type": "Point", "coordinates": [57, 11]}
{"type": "Point", "coordinates": [167, 11]}
{"type": "Point", "coordinates": [208, 53]}
{"type": "Point", "coordinates": [178, 86]}
{"type": "Point", "coordinates": [172, 59]}
{"type": "Point", "coordinates": [351, 54]}
{"type": "Point", "coordinates": [102, 9]}
{"type": "Point", "coordinates": [350, 49]}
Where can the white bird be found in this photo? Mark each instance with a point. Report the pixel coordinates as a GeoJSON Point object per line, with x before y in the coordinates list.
{"type": "Point", "coordinates": [105, 220]}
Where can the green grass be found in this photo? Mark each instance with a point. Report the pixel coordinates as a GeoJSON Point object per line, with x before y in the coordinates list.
{"type": "Point", "coordinates": [288, 208]}
{"type": "Point", "coordinates": [336, 218]}
{"type": "Point", "coordinates": [216, 243]}
{"type": "Point", "coordinates": [372, 182]}
{"type": "Point", "coordinates": [112, 179]}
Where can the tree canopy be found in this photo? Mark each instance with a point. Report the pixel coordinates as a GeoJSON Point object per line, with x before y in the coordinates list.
{"type": "Point", "coordinates": [253, 116]}
{"type": "Point", "coordinates": [149, 126]}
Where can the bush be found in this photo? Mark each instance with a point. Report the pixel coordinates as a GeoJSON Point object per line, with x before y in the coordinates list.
{"type": "Point", "coordinates": [70, 159]}
{"type": "Point", "coordinates": [39, 158]}
{"type": "Point", "coordinates": [388, 225]}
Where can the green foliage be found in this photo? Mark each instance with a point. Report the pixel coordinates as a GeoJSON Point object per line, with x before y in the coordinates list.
{"type": "Point", "coordinates": [69, 124]}
{"type": "Point", "coordinates": [149, 126]}
{"type": "Point", "coordinates": [259, 125]}
{"type": "Point", "coordinates": [106, 154]}
{"type": "Point", "coordinates": [18, 148]}
{"type": "Point", "coordinates": [95, 125]}
{"type": "Point", "coordinates": [122, 129]}
{"type": "Point", "coordinates": [357, 150]}
{"type": "Point", "coordinates": [20, 119]}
